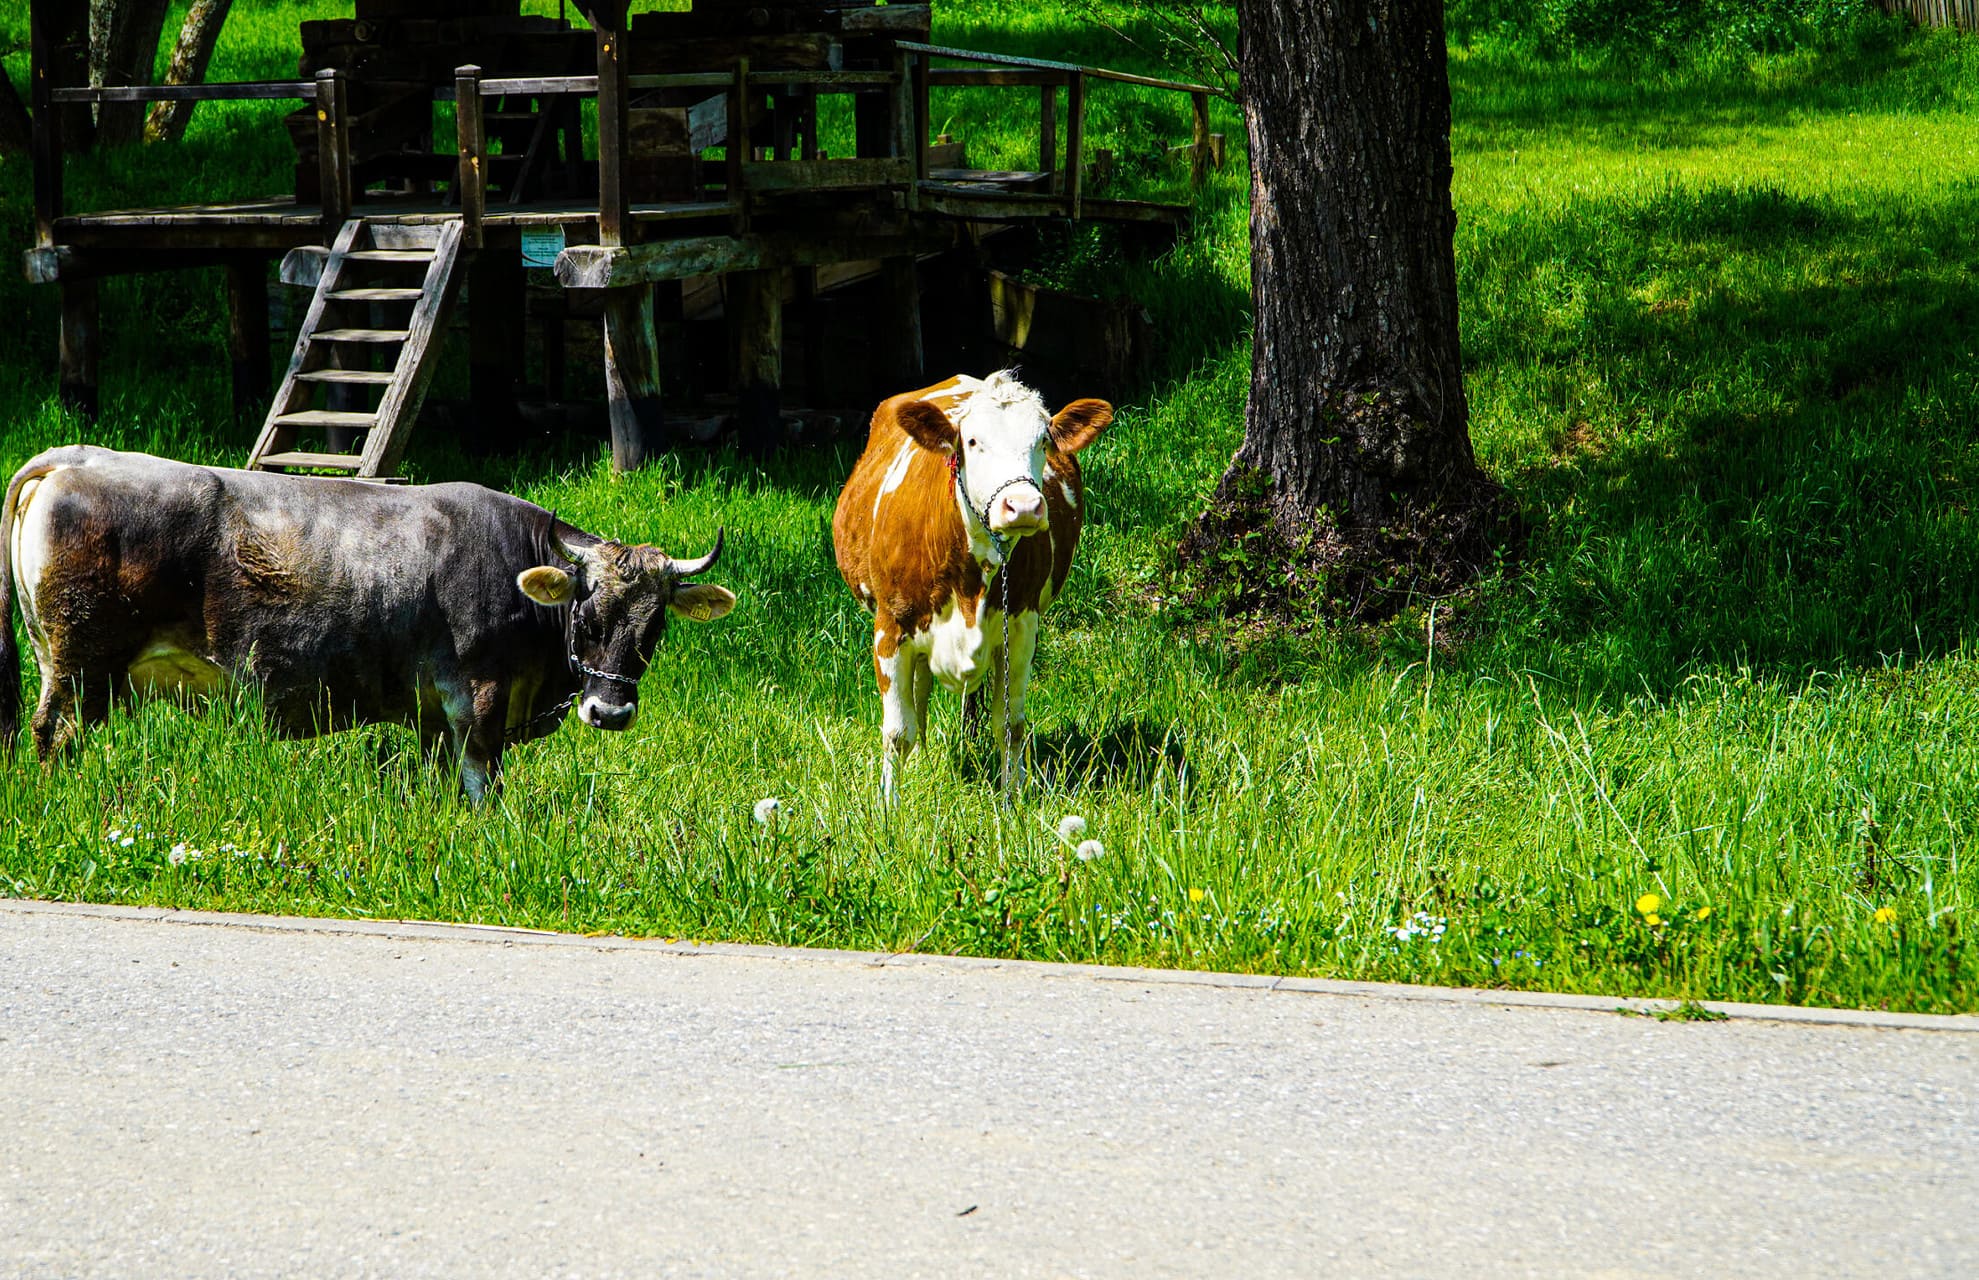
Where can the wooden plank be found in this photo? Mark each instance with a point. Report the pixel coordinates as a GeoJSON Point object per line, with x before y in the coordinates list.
{"type": "Point", "coordinates": [536, 86]}
{"type": "Point", "coordinates": [1046, 64]}
{"type": "Point", "coordinates": [614, 200]}
{"type": "Point", "coordinates": [234, 91]}
{"type": "Point", "coordinates": [1199, 150]}
{"type": "Point", "coordinates": [351, 377]}
{"type": "Point", "coordinates": [755, 326]}
{"type": "Point", "coordinates": [247, 337]}
{"type": "Point", "coordinates": [887, 20]}
{"type": "Point", "coordinates": [602, 266]}
{"type": "Point", "coordinates": [977, 204]}
{"type": "Point", "coordinates": [319, 461]}
{"type": "Point", "coordinates": [632, 376]}
{"type": "Point", "coordinates": [45, 142]}
{"type": "Point", "coordinates": [81, 347]}
{"type": "Point", "coordinates": [825, 175]}
{"type": "Point", "coordinates": [309, 353]}
{"type": "Point", "coordinates": [736, 148]}
{"type": "Point", "coordinates": [373, 294]}
{"type": "Point", "coordinates": [360, 335]}
{"type": "Point", "coordinates": [1048, 129]}
{"type": "Point", "coordinates": [471, 152]}
{"type": "Point", "coordinates": [681, 80]}
{"type": "Point", "coordinates": [819, 79]}
{"type": "Point", "coordinates": [418, 358]}
{"type": "Point", "coordinates": [326, 418]}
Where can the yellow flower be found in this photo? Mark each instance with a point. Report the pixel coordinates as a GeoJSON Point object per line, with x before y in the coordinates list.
{"type": "Point", "coordinates": [1647, 904]}
{"type": "Point", "coordinates": [1886, 915]}
{"type": "Point", "coordinates": [1197, 895]}
{"type": "Point", "coordinates": [1703, 913]}
{"type": "Point", "coordinates": [1652, 919]}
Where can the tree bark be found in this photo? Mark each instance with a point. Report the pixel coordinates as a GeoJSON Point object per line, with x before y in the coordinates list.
{"type": "Point", "coordinates": [1356, 419]}
{"type": "Point", "coordinates": [197, 37]}
{"type": "Point", "coordinates": [123, 46]}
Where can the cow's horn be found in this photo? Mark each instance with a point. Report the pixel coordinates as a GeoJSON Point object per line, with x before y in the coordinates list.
{"type": "Point", "coordinates": [683, 569]}
{"type": "Point", "coordinates": [557, 545]}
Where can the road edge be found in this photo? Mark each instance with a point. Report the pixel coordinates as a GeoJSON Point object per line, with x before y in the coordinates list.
{"type": "Point", "coordinates": [507, 935]}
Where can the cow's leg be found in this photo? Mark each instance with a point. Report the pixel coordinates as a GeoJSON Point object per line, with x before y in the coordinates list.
{"type": "Point", "coordinates": [477, 718]}
{"type": "Point", "coordinates": [924, 683]}
{"type": "Point", "coordinates": [1012, 676]}
{"type": "Point", "coordinates": [69, 703]}
{"type": "Point", "coordinates": [894, 671]}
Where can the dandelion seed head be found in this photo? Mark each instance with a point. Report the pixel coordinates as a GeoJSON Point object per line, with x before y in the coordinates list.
{"type": "Point", "coordinates": [766, 809]}
{"type": "Point", "coordinates": [177, 857]}
{"type": "Point", "coordinates": [1071, 827]}
{"type": "Point", "coordinates": [1089, 850]}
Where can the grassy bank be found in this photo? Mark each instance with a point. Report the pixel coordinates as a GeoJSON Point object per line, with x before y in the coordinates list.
{"type": "Point", "coordinates": [1714, 737]}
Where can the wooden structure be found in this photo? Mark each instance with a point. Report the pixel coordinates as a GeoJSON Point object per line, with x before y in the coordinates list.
{"type": "Point", "coordinates": [1963, 14]}
{"type": "Point", "coordinates": [708, 161]}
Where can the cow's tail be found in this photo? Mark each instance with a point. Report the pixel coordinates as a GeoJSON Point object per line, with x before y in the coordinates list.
{"type": "Point", "coordinates": [10, 650]}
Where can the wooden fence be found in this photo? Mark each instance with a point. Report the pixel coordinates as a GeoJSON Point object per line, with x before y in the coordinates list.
{"type": "Point", "coordinates": [1963, 14]}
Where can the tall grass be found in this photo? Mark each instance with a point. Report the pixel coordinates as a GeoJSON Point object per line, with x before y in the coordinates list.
{"type": "Point", "coordinates": [1714, 737]}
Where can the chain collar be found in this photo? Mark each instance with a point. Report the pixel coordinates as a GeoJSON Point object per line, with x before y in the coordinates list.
{"type": "Point", "coordinates": [1001, 541]}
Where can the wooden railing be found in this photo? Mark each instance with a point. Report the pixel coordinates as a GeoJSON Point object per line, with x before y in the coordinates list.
{"type": "Point", "coordinates": [1963, 14]}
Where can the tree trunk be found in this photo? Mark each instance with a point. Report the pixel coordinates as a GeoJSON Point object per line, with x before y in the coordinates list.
{"type": "Point", "coordinates": [1356, 423]}
{"type": "Point", "coordinates": [201, 31]}
{"type": "Point", "coordinates": [123, 46]}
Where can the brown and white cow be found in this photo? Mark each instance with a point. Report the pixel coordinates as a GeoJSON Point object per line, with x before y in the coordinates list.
{"type": "Point", "coordinates": [477, 618]}
{"type": "Point", "coordinates": [962, 485]}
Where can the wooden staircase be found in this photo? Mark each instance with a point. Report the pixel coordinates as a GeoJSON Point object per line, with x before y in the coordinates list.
{"type": "Point", "coordinates": [366, 351]}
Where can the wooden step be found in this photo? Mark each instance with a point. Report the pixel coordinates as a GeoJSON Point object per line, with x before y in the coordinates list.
{"type": "Point", "coordinates": [358, 377]}
{"type": "Point", "coordinates": [358, 335]}
{"type": "Point", "coordinates": [325, 418]}
{"type": "Point", "coordinates": [387, 255]}
{"type": "Point", "coordinates": [327, 461]}
{"type": "Point", "coordinates": [374, 295]}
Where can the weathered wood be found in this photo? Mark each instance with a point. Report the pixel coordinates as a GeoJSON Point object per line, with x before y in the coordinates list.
{"type": "Point", "coordinates": [80, 347]}
{"type": "Point", "coordinates": [537, 86]}
{"type": "Point", "coordinates": [418, 358]}
{"type": "Point", "coordinates": [632, 376]}
{"type": "Point", "coordinates": [1199, 150]}
{"type": "Point", "coordinates": [313, 350]}
{"type": "Point", "coordinates": [755, 326]}
{"type": "Point", "coordinates": [887, 20]}
{"type": "Point", "coordinates": [1075, 141]}
{"type": "Point", "coordinates": [495, 301]}
{"type": "Point", "coordinates": [362, 335]}
{"type": "Point", "coordinates": [348, 377]}
{"type": "Point", "coordinates": [1046, 64]}
{"type": "Point", "coordinates": [311, 461]}
{"type": "Point", "coordinates": [614, 201]}
{"type": "Point", "coordinates": [333, 149]}
{"type": "Point", "coordinates": [825, 175]}
{"type": "Point", "coordinates": [471, 149]}
{"type": "Point", "coordinates": [899, 329]}
{"type": "Point", "coordinates": [247, 337]}
{"type": "Point", "coordinates": [602, 267]}
{"type": "Point", "coordinates": [735, 150]}
{"type": "Point", "coordinates": [977, 204]}
{"type": "Point", "coordinates": [1048, 128]}
{"type": "Point", "coordinates": [231, 91]}
{"type": "Point", "coordinates": [327, 418]}
{"type": "Point", "coordinates": [45, 146]}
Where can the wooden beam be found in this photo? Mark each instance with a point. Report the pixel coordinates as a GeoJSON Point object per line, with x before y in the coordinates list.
{"type": "Point", "coordinates": [755, 328]}
{"type": "Point", "coordinates": [825, 175]}
{"type": "Point", "coordinates": [247, 337]}
{"type": "Point", "coordinates": [471, 146]}
{"type": "Point", "coordinates": [81, 347]}
{"type": "Point", "coordinates": [45, 144]}
{"type": "Point", "coordinates": [1046, 64]}
{"type": "Point", "coordinates": [1075, 143]}
{"type": "Point", "coordinates": [603, 267]}
{"type": "Point", "coordinates": [1199, 151]}
{"type": "Point", "coordinates": [226, 91]}
{"type": "Point", "coordinates": [899, 331]}
{"type": "Point", "coordinates": [1048, 128]}
{"type": "Point", "coordinates": [614, 198]}
{"type": "Point", "coordinates": [632, 376]}
{"type": "Point", "coordinates": [735, 149]}
{"type": "Point", "coordinates": [333, 149]}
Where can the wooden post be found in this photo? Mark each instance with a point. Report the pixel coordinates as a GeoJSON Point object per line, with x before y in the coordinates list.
{"type": "Point", "coordinates": [1199, 154]}
{"type": "Point", "coordinates": [737, 148]}
{"type": "Point", "coordinates": [495, 299]}
{"type": "Point", "coordinates": [333, 149]}
{"type": "Point", "coordinates": [80, 346]}
{"type": "Point", "coordinates": [901, 357]}
{"type": "Point", "coordinates": [247, 337]}
{"type": "Point", "coordinates": [632, 376]}
{"type": "Point", "coordinates": [1048, 131]}
{"type": "Point", "coordinates": [46, 141]}
{"type": "Point", "coordinates": [472, 143]}
{"type": "Point", "coordinates": [922, 126]}
{"type": "Point", "coordinates": [614, 203]}
{"type": "Point", "coordinates": [906, 113]}
{"type": "Point", "coordinates": [755, 326]}
{"type": "Point", "coordinates": [1075, 143]}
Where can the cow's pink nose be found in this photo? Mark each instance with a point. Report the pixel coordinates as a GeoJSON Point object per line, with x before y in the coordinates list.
{"type": "Point", "coordinates": [1019, 511]}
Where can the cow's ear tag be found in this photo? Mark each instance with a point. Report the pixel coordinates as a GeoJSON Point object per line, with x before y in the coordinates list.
{"type": "Point", "coordinates": [546, 585]}
{"type": "Point", "coordinates": [702, 602]}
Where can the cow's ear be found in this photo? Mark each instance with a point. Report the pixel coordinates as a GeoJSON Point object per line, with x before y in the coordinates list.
{"type": "Point", "coordinates": [1078, 424]}
{"type": "Point", "coordinates": [928, 425]}
{"type": "Point", "coordinates": [703, 602]}
{"type": "Point", "coordinates": [546, 585]}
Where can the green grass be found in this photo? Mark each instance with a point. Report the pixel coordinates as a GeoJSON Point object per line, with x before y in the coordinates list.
{"type": "Point", "coordinates": [1720, 327]}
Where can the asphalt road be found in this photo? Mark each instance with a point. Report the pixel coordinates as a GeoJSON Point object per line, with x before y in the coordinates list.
{"type": "Point", "coordinates": [181, 1100]}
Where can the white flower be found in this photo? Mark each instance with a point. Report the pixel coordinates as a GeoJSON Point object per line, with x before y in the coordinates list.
{"type": "Point", "coordinates": [114, 833]}
{"type": "Point", "coordinates": [767, 808]}
{"type": "Point", "coordinates": [126, 842]}
{"type": "Point", "coordinates": [1071, 827]}
{"type": "Point", "coordinates": [177, 857]}
{"type": "Point", "coordinates": [1090, 849]}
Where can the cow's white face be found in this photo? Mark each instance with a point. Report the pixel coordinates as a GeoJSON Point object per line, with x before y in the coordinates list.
{"type": "Point", "coordinates": [1000, 436]}
{"type": "Point", "coordinates": [619, 598]}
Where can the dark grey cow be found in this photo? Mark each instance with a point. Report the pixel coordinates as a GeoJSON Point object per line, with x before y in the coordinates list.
{"type": "Point", "coordinates": [475, 617]}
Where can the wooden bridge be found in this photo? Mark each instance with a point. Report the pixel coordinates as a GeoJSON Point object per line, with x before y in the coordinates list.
{"type": "Point", "coordinates": [709, 161]}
